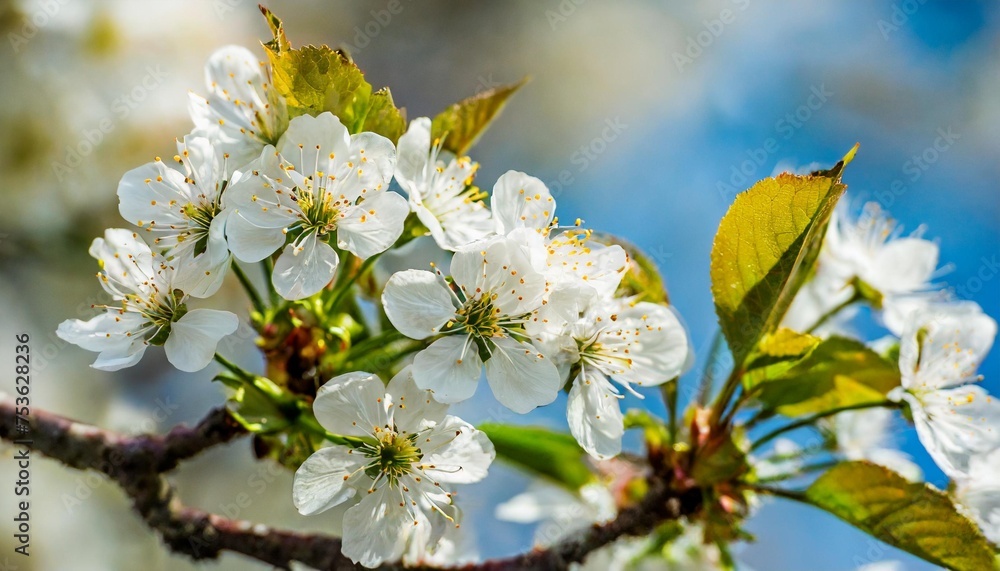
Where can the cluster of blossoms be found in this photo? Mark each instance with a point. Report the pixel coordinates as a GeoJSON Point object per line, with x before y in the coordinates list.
{"type": "Point", "coordinates": [533, 303]}
{"type": "Point", "coordinates": [940, 343]}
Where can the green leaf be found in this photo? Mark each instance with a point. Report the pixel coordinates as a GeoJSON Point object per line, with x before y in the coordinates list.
{"type": "Point", "coordinates": [913, 517]}
{"type": "Point", "coordinates": [316, 79]}
{"type": "Point", "coordinates": [279, 43]}
{"type": "Point", "coordinates": [459, 126]}
{"type": "Point", "coordinates": [839, 372]}
{"type": "Point", "coordinates": [765, 248]}
{"type": "Point", "coordinates": [787, 343]}
{"type": "Point", "coordinates": [552, 455]}
{"type": "Point", "coordinates": [384, 117]}
{"type": "Point", "coordinates": [719, 462]}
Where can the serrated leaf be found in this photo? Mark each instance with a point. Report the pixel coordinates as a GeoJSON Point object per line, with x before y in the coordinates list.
{"type": "Point", "coordinates": [839, 372]}
{"type": "Point", "coordinates": [460, 125]}
{"type": "Point", "coordinates": [316, 79]}
{"type": "Point", "coordinates": [384, 117]}
{"type": "Point", "coordinates": [552, 455]}
{"type": "Point", "coordinates": [765, 248]}
{"type": "Point", "coordinates": [913, 517]}
{"type": "Point", "coordinates": [279, 43]}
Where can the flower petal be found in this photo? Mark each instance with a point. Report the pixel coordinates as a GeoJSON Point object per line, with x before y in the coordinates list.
{"type": "Point", "coordinates": [413, 408]}
{"type": "Point", "coordinates": [458, 452]}
{"type": "Point", "coordinates": [520, 376]}
{"type": "Point", "coordinates": [521, 201]}
{"type": "Point", "coordinates": [315, 144]}
{"type": "Point", "coordinates": [352, 404]}
{"type": "Point", "coordinates": [304, 269]}
{"type": "Point", "coordinates": [954, 425]}
{"type": "Point", "coordinates": [376, 530]}
{"type": "Point", "coordinates": [251, 243]}
{"type": "Point", "coordinates": [193, 338]}
{"type": "Point", "coordinates": [374, 225]}
{"type": "Point", "coordinates": [321, 481]}
{"type": "Point", "coordinates": [595, 417]}
{"type": "Point", "coordinates": [413, 154]}
{"type": "Point", "coordinates": [417, 303]}
{"type": "Point", "coordinates": [450, 368]}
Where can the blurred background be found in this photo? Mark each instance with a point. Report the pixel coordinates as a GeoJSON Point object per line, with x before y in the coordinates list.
{"type": "Point", "coordinates": [644, 117]}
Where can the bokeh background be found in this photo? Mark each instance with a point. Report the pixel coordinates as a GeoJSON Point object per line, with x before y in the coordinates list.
{"type": "Point", "coordinates": [645, 117]}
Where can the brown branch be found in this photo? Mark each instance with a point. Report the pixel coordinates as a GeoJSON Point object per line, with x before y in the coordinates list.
{"type": "Point", "coordinates": [136, 464]}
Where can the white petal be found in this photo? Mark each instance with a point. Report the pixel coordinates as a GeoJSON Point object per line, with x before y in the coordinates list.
{"type": "Point", "coordinates": [413, 153]}
{"type": "Point", "coordinates": [370, 164]}
{"type": "Point", "coordinates": [595, 417]}
{"type": "Point", "coordinates": [450, 367]}
{"type": "Point", "coordinates": [945, 346]}
{"type": "Point", "coordinates": [154, 193]}
{"type": "Point", "coordinates": [575, 257]}
{"type": "Point", "coordinates": [376, 530]}
{"type": "Point", "coordinates": [305, 269]}
{"type": "Point", "coordinates": [521, 378]}
{"type": "Point", "coordinates": [251, 243]}
{"type": "Point", "coordinates": [352, 404]}
{"type": "Point", "coordinates": [374, 225]}
{"type": "Point", "coordinates": [521, 201]}
{"type": "Point", "coordinates": [202, 275]}
{"type": "Point", "coordinates": [956, 424]}
{"type": "Point", "coordinates": [127, 263]}
{"type": "Point", "coordinates": [194, 337]}
{"type": "Point", "coordinates": [321, 481]}
{"type": "Point", "coordinates": [459, 453]}
{"type": "Point", "coordinates": [649, 344]}
{"type": "Point", "coordinates": [904, 265]}
{"type": "Point", "coordinates": [104, 331]}
{"type": "Point", "coordinates": [310, 141]}
{"type": "Point", "coordinates": [120, 358]}
{"type": "Point", "coordinates": [413, 408]}
{"type": "Point", "coordinates": [417, 303]}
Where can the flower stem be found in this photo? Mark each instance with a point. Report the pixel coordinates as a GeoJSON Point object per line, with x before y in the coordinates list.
{"type": "Point", "coordinates": [267, 267]}
{"type": "Point", "coordinates": [669, 391]}
{"type": "Point", "coordinates": [234, 368]}
{"type": "Point", "coordinates": [818, 416]}
{"type": "Point", "coordinates": [834, 311]}
{"type": "Point", "coordinates": [708, 374]}
{"type": "Point", "coordinates": [255, 299]}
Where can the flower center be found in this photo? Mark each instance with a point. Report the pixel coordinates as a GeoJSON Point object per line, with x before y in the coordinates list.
{"type": "Point", "coordinates": [479, 317]}
{"type": "Point", "coordinates": [320, 210]}
{"type": "Point", "coordinates": [392, 457]}
{"type": "Point", "coordinates": [201, 216]}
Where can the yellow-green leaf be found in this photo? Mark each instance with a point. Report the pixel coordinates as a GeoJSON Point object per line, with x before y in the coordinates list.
{"type": "Point", "coordinates": [279, 43]}
{"type": "Point", "coordinates": [913, 517]}
{"type": "Point", "coordinates": [766, 245]}
{"type": "Point", "coordinates": [460, 125]}
{"type": "Point", "coordinates": [839, 372]}
{"type": "Point", "coordinates": [552, 455]}
{"type": "Point", "coordinates": [384, 117]}
{"type": "Point", "coordinates": [787, 343]}
{"type": "Point", "coordinates": [316, 79]}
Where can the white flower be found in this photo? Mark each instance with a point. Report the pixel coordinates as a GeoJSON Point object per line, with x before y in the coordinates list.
{"type": "Point", "coordinates": [411, 450]}
{"type": "Point", "coordinates": [479, 319]}
{"type": "Point", "coordinates": [938, 358]}
{"type": "Point", "coordinates": [183, 211]}
{"type": "Point", "coordinates": [979, 493]}
{"type": "Point", "coordinates": [151, 311]}
{"type": "Point", "coordinates": [440, 189]}
{"type": "Point", "coordinates": [558, 511]}
{"type": "Point", "coordinates": [524, 207]}
{"type": "Point", "coordinates": [871, 250]}
{"type": "Point", "coordinates": [456, 547]}
{"type": "Point", "coordinates": [687, 552]}
{"type": "Point", "coordinates": [594, 338]}
{"type": "Point", "coordinates": [321, 182]}
{"type": "Point", "coordinates": [863, 435]}
{"type": "Point", "coordinates": [242, 112]}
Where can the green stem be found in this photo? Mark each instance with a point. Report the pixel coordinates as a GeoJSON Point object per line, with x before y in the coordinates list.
{"type": "Point", "coordinates": [816, 417]}
{"type": "Point", "coordinates": [834, 311]}
{"type": "Point", "coordinates": [778, 492]}
{"type": "Point", "coordinates": [669, 391]}
{"type": "Point", "coordinates": [725, 395]}
{"type": "Point", "coordinates": [255, 299]}
{"type": "Point", "coordinates": [378, 341]}
{"type": "Point", "coordinates": [267, 267]}
{"type": "Point", "coordinates": [800, 472]}
{"type": "Point", "coordinates": [708, 375]}
{"type": "Point", "coordinates": [234, 368]}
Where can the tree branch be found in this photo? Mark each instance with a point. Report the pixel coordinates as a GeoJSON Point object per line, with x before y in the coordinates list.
{"type": "Point", "coordinates": [136, 464]}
